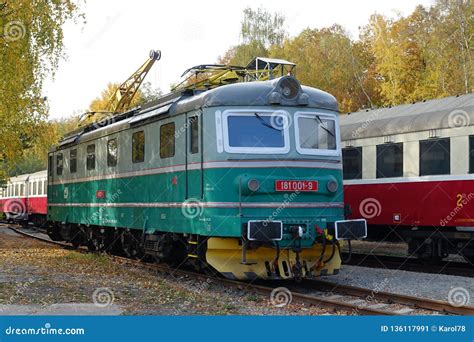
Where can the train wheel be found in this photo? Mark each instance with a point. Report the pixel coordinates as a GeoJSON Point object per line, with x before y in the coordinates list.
{"type": "Point", "coordinates": [93, 242]}
{"type": "Point", "coordinates": [130, 244]}
{"type": "Point", "coordinates": [54, 233]}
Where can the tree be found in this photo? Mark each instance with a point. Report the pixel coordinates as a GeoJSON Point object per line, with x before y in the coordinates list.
{"type": "Point", "coordinates": [145, 94]}
{"type": "Point", "coordinates": [400, 60]}
{"type": "Point", "coordinates": [148, 93]}
{"type": "Point", "coordinates": [328, 59]}
{"type": "Point", "coordinates": [31, 46]}
{"type": "Point", "coordinates": [426, 55]}
{"type": "Point", "coordinates": [260, 29]}
{"type": "Point", "coordinates": [34, 158]}
{"type": "Point", "coordinates": [263, 26]}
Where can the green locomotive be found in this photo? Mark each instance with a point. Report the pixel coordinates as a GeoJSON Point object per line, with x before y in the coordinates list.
{"type": "Point", "coordinates": [244, 179]}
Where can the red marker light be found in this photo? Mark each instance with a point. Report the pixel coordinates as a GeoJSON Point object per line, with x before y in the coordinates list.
{"type": "Point", "coordinates": [318, 230]}
{"type": "Point", "coordinates": [100, 194]}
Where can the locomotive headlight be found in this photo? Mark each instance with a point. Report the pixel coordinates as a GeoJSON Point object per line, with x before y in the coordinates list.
{"type": "Point", "coordinates": [332, 186]}
{"type": "Point", "coordinates": [253, 185]}
{"type": "Point", "coordinates": [289, 87]}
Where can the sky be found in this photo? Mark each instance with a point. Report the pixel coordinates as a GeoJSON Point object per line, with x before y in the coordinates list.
{"type": "Point", "coordinates": [118, 35]}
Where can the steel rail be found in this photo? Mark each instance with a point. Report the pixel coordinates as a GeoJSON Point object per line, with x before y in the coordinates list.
{"type": "Point", "coordinates": [417, 302]}
{"type": "Point", "coordinates": [297, 296]}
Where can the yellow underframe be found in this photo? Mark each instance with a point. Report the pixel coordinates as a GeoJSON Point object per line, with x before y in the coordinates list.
{"type": "Point", "coordinates": [225, 256]}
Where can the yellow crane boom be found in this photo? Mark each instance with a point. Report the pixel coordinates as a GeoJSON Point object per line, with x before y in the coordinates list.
{"type": "Point", "coordinates": [127, 90]}
{"type": "Point", "coordinates": [121, 99]}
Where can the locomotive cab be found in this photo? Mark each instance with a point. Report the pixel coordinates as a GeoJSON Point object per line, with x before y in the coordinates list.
{"type": "Point", "coordinates": [275, 182]}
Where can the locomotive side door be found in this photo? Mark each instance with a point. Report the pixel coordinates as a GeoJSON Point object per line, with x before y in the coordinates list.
{"type": "Point", "coordinates": [194, 156]}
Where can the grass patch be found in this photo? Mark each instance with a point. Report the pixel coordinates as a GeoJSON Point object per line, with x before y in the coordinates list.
{"type": "Point", "coordinates": [88, 257]}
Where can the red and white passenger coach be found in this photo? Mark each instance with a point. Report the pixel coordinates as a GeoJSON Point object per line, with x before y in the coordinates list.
{"type": "Point", "coordinates": [409, 170]}
{"type": "Point", "coordinates": [25, 198]}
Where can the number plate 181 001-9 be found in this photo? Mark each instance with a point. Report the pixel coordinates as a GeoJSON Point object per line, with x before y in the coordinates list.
{"type": "Point", "coordinates": [296, 185]}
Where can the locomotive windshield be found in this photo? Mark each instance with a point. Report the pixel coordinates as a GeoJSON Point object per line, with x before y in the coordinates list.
{"type": "Point", "coordinates": [315, 132]}
{"type": "Point", "coordinates": [256, 132]}
{"type": "Point", "coordinates": [267, 132]}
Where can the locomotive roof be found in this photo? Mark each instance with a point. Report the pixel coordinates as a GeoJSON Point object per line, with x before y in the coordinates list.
{"type": "Point", "coordinates": [239, 94]}
{"type": "Point", "coordinates": [449, 112]}
{"type": "Point", "coordinates": [251, 94]}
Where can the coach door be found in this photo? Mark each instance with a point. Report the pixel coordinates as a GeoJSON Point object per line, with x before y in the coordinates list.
{"type": "Point", "coordinates": [194, 156]}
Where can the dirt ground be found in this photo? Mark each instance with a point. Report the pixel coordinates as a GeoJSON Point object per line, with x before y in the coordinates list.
{"type": "Point", "coordinates": [38, 278]}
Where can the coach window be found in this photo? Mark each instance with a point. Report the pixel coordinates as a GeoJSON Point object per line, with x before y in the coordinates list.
{"type": "Point", "coordinates": [435, 157]}
{"type": "Point", "coordinates": [22, 189]}
{"type": "Point", "coordinates": [112, 152]}
{"type": "Point", "coordinates": [138, 147]}
{"type": "Point", "coordinates": [352, 162]}
{"type": "Point", "coordinates": [390, 160]}
{"type": "Point", "coordinates": [194, 135]}
{"type": "Point", "coordinates": [17, 192]}
{"type": "Point", "coordinates": [34, 188]}
{"type": "Point", "coordinates": [73, 161]}
{"type": "Point", "coordinates": [90, 159]}
{"type": "Point", "coordinates": [59, 164]}
{"type": "Point", "coordinates": [167, 140]}
{"type": "Point", "coordinates": [45, 187]}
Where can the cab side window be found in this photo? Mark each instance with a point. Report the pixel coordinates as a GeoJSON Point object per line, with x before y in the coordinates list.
{"type": "Point", "coordinates": [138, 147]}
{"type": "Point", "coordinates": [90, 159]}
{"type": "Point", "coordinates": [73, 161]}
{"type": "Point", "coordinates": [59, 164]}
{"type": "Point", "coordinates": [194, 134]}
{"type": "Point", "coordinates": [167, 140]}
{"type": "Point", "coordinates": [112, 150]}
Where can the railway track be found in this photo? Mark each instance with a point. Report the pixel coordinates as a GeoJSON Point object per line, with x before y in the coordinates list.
{"type": "Point", "coordinates": [342, 298]}
{"type": "Point", "coordinates": [463, 269]}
